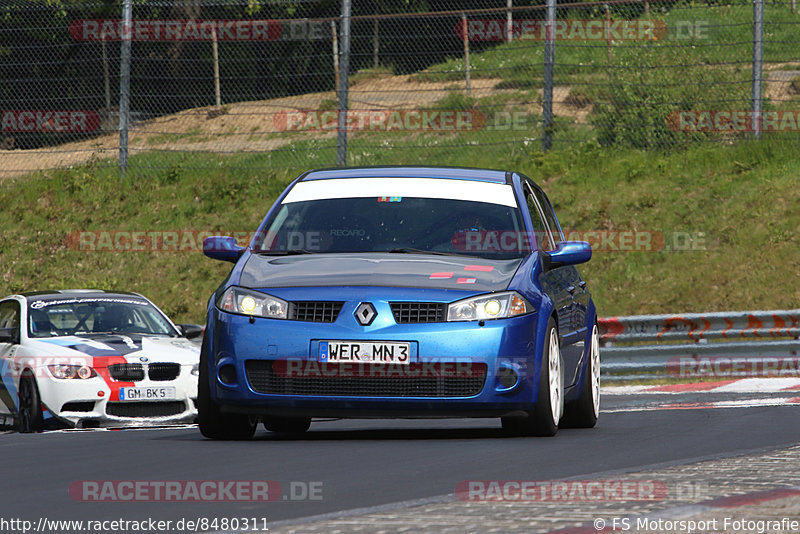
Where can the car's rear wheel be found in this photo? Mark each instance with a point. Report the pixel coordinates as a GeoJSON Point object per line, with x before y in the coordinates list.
{"type": "Point", "coordinates": [212, 422]}
{"type": "Point", "coordinates": [583, 412]}
{"type": "Point", "coordinates": [30, 417]}
{"type": "Point", "coordinates": [543, 420]}
{"type": "Point", "coordinates": [287, 425]}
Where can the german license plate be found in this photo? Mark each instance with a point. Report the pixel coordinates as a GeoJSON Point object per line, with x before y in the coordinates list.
{"type": "Point", "coordinates": [364, 351]}
{"type": "Point", "coordinates": [147, 393]}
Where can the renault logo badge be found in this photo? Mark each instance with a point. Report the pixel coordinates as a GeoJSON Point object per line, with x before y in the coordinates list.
{"type": "Point", "coordinates": [365, 314]}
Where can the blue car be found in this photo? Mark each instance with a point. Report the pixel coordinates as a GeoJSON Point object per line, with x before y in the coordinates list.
{"type": "Point", "coordinates": [401, 292]}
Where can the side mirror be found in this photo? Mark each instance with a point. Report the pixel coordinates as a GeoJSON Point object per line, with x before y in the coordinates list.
{"type": "Point", "coordinates": [190, 331]}
{"type": "Point", "coordinates": [570, 253]}
{"type": "Point", "coordinates": [223, 248]}
{"type": "Point", "coordinates": [9, 335]}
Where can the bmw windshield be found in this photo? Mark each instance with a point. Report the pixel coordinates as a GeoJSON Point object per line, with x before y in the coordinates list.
{"type": "Point", "coordinates": [95, 315]}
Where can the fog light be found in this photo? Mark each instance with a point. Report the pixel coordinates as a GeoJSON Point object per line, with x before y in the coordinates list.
{"type": "Point", "coordinates": [227, 374]}
{"type": "Point", "coordinates": [506, 377]}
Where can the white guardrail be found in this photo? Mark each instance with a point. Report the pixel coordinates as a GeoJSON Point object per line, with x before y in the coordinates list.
{"type": "Point", "coordinates": [703, 345]}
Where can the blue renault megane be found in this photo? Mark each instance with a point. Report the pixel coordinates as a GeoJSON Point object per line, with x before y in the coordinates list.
{"type": "Point", "coordinates": [401, 292]}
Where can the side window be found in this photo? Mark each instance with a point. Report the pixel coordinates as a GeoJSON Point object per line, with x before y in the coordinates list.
{"type": "Point", "coordinates": [543, 237]}
{"type": "Point", "coordinates": [9, 314]}
{"type": "Point", "coordinates": [549, 216]}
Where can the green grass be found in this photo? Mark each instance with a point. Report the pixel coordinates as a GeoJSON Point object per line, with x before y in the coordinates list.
{"type": "Point", "coordinates": [738, 200]}
{"type": "Point", "coordinates": [742, 198]}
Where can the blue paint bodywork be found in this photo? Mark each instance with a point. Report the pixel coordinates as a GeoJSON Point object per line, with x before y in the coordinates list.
{"type": "Point", "coordinates": [553, 290]}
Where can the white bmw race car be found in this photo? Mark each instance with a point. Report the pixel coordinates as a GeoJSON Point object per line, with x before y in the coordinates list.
{"type": "Point", "coordinates": [88, 358]}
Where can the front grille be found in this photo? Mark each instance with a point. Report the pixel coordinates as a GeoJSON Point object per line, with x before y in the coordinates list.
{"type": "Point", "coordinates": [161, 372]}
{"type": "Point", "coordinates": [314, 311]}
{"type": "Point", "coordinates": [126, 372]}
{"type": "Point", "coordinates": [78, 406]}
{"type": "Point", "coordinates": [365, 380]}
{"type": "Point", "coordinates": [145, 409]}
{"type": "Point", "coordinates": [418, 312]}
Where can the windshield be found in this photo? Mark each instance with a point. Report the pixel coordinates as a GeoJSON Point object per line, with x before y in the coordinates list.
{"type": "Point", "coordinates": [82, 316]}
{"type": "Point", "coordinates": [396, 224]}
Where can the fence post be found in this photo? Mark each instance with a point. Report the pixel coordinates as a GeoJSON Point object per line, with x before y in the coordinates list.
{"type": "Point", "coordinates": [375, 44]}
{"type": "Point", "coordinates": [344, 67]}
{"type": "Point", "coordinates": [509, 20]}
{"type": "Point", "coordinates": [215, 59]}
{"type": "Point", "coordinates": [335, 44]}
{"type": "Point", "coordinates": [124, 86]}
{"type": "Point", "coordinates": [465, 31]}
{"type": "Point", "coordinates": [758, 60]}
{"type": "Point", "coordinates": [608, 32]}
{"type": "Point", "coordinates": [549, 64]}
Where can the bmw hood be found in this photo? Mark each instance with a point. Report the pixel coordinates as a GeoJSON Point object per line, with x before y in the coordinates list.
{"type": "Point", "coordinates": [379, 269]}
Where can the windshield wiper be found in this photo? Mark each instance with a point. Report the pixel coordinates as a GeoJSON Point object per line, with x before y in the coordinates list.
{"type": "Point", "coordinates": [290, 252]}
{"type": "Point", "coordinates": [409, 250]}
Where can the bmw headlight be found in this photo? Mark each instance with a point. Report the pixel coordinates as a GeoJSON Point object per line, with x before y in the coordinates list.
{"type": "Point", "coordinates": [248, 302]}
{"type": "Point", "coordinates": [491, 306]}
{"type": "Point", "coordinates": [65, 372]}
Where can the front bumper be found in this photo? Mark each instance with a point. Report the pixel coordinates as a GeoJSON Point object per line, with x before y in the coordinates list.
{"type": "Point", "coordinates": [96, 403]}
{"type": "Point", "coordinates": [503, 350]}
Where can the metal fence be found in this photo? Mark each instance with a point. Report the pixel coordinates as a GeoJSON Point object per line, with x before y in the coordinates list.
{"type": "Point", "coordinates": [701, 345]}
{"type": "Point", "coordinates": [320, 82]}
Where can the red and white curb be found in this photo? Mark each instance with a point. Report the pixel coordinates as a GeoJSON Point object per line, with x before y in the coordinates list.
{"type": "Point", "coordinates": [742, 385]}
{"type": "Point", "coordinates": [782, 391]}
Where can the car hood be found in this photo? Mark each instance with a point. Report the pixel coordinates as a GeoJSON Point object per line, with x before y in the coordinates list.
{"type": "Point", "coordinates": [154, 348]}
{"type": "Point", "coordinates": [378, 269]}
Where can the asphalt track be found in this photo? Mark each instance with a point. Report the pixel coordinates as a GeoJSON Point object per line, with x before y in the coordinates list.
{"type": "Point", "coordinates": [365, 463]}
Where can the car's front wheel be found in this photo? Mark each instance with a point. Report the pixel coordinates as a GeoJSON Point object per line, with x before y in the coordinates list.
{"type": "Point", "coordinates": [544, 418]}
{"type": "Point", "coordinates": [30, 417]}
{"type": "Point", "coordinates": [212, 422]}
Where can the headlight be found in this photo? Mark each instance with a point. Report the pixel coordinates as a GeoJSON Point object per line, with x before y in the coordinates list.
{"type": "Point", "coordinates": [64, 371]}
{"type": "Point", "coordinates": [247, 302]}
{"type": "Point", "coordinates": [492, 306]}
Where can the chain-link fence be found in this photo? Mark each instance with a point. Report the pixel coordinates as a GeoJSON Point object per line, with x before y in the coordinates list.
{"type": "Point", "coordinates": [392, 82]}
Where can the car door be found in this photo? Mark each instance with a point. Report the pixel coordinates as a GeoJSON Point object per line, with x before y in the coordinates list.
{"type": "Point", "coordinates": [561, 283]}
{"type": "Point", "coordinates": [580, 294]}
{"type": "Point", "coordinates": [9, 319]}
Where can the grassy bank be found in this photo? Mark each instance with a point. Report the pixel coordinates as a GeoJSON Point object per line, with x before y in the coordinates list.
{"type": "Point", "coordinates": [740, 204]}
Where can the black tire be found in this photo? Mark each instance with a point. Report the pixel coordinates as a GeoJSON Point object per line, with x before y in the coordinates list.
{"type": "Point", "coordinates": [543, 420]}
{"type": "Point", "coordinates": [212, 422]}
{"type": "Point", "coordinates": [287, 425]}
{"type": "Point", "coordinates": [30, 417]}
{"type": "Point", "coordinates": [583, 412]}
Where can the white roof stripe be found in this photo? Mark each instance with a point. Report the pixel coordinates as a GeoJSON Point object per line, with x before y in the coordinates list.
{"type": "Point", "coordinates": [468, 190]}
